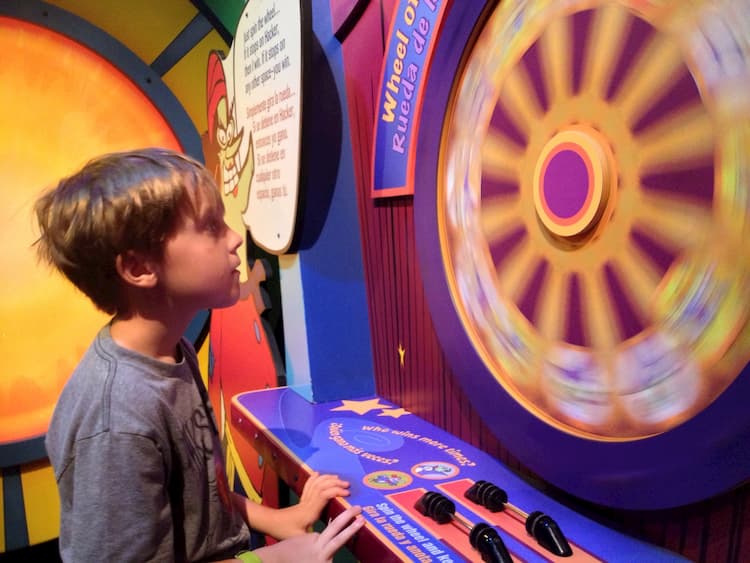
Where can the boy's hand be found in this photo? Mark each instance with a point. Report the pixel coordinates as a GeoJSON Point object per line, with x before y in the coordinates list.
{"type": "Point", "coordinates": [316, 493]}
{"type": "Point", "coordinates": [337, 533]}
{"type": "Point", "coordinates": [293, 520]}
{"type": "Point", "coordinates": [314, 547]}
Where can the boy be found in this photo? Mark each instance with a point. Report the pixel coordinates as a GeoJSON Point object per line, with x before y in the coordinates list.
{"type": "Point", "coordinates": [133, 441]}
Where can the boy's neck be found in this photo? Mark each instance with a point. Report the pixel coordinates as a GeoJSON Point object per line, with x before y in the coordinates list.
{"type": "Point", "coordinates": [150, 337]}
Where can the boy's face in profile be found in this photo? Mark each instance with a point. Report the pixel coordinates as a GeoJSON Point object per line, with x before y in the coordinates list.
{"type": "Point", "coordinates": [199, 265]}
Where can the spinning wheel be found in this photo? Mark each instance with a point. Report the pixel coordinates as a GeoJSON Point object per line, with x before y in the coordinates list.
{"type": "Point", "coordinates": [591, 211]}
{"type": "Point", "coordinates": [590, 200]}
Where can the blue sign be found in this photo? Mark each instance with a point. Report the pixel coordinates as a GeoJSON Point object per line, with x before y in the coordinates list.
{"type": "Point", "coordinates": [413, 34]}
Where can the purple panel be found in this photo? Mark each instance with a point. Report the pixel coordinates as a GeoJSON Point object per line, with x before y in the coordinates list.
{"type": "Point", "coordinates": [639, 33]}
{"type": "Point", "coordinates": [502, 248]}
{"type": "Point", "coordinates": [574, 332]}
{"type": "Point", "coordinates": [683, 93]}
{"type": "Point", "coordinates": [566, 183]}
{"type": "Point", "coordinates": [697, 182]}
{"type": "Point", "coordinates": [659, 255]}
{"type": "Point", "coordinates": [501, 122]}
{"type": "Point", "coordinates": [628, 320]}
{"type": "Point", "coordinates": [581, 26]}
{"type": "Point", "coordinates": [533, 66]}
{"type": "Point", "coordinates": [492, 187]}
{"type": "Point", "coordinates": [530, 299]}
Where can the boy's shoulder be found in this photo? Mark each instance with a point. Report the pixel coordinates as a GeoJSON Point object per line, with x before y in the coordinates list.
{"type": "Point", "coordinates": [113, 389]}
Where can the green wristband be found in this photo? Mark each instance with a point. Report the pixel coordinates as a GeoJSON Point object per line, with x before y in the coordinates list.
{"type": "Point", "coordinates": [248, 557]}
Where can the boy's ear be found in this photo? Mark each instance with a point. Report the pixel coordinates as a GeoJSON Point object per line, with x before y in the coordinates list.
{"type": "Point", "coordinates": [136, 269]}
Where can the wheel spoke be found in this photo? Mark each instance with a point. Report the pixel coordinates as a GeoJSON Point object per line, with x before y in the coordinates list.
{"type": "Point", "coordinates": [500, 157]}
{"type": "Point", "coordinates": [677, 141]}
{"type": "Point", "coordinates": [630, 321]}
{"type": "Point", "coordinates": [659, 66]}
{"type": "Point", "coordinates": [675, 223]}
{"type": "Point", "coordinates": [502, 248]}
{"type": "Point", "coordinates": [528, 303]}
{"type": "Point", "coordinates": [500, 216]}
{"type": "Point", "coordinates": [550, 313]}
{"type": "Point", "coordinates": [519, 266]}
{"type": "Point", "coordinates": [502, 123]}
{"type": "Point", "coordinates": [519, 98]}
{"type": "Point", "coordinates": [604, 47]}
{"type": "Point", "coordinates": [599, 315]}
{"type": "Point", "coordinates": [556, 47]}
{"type": "Point", "coordinates": [639, 277]}
{"type": "Point", "coordinates": [654, 256]}
{"type": "Point", "coordinates": [574, 313]}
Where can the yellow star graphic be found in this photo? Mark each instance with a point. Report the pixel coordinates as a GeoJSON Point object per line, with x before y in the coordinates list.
{"type": "Point", "coordinates": [401, 354]}
{"type": "Point", "coordinates": [360, 407]}
{"type": "Point", "coordinates": [395, 413]}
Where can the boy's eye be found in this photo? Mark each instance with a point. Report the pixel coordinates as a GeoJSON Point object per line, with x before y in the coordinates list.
{"type": "Point", "coordinates": [216, 226]}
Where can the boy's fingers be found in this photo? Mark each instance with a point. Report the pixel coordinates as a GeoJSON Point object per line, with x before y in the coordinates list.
{"type": "Point", "coordinates": [340, 522]}
{"type": "Point", "coordinates": [334, 492]}
{"type": "Point", "coordinates": [334, 482]}
{"type": "Point", "coordinates": [337, 536]}
{"type": "Point", "coordinates": [312, 478]}
{"type": "Point", "coordinates": [324, 480]}
{"type": "Point", "coordinates": [326, 486]}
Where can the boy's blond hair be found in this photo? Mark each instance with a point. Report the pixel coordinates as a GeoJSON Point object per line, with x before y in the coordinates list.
{"type": "Point", "coordinates": [119, 202]}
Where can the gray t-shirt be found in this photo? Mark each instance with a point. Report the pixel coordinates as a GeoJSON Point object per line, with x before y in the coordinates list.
{"type": "Point", "coordinates": [138, 463]}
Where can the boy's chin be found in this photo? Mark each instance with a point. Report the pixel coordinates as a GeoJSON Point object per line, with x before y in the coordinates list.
{"type": "Point", "coordinates": [231, 300]}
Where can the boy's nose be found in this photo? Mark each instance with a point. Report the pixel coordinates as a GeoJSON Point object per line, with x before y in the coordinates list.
{"type": "Point", "coordinates": [236, 240]}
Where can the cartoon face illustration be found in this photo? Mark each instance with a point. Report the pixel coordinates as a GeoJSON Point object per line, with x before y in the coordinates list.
{"type": "Point", "coordinates": [228, 138]}
{"type": "Point", "coordinates": [234, 152]}
{"type": "Point", "coordinates": [385, 479]}
{"type": "Point", "coordinates": [434, 470]}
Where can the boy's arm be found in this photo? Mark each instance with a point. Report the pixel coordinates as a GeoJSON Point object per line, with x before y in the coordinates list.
{"type": "Point", "coordinates": [293, 520]}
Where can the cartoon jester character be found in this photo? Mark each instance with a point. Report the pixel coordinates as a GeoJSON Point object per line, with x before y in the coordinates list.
{"type": "Point", "coordinates": [236, 167]}
{"type": "Point", "coordinates": [244, 354]}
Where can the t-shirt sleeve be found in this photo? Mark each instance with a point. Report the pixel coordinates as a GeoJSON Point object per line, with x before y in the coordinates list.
{"type": "Point", "coordinates": [120, 510]}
